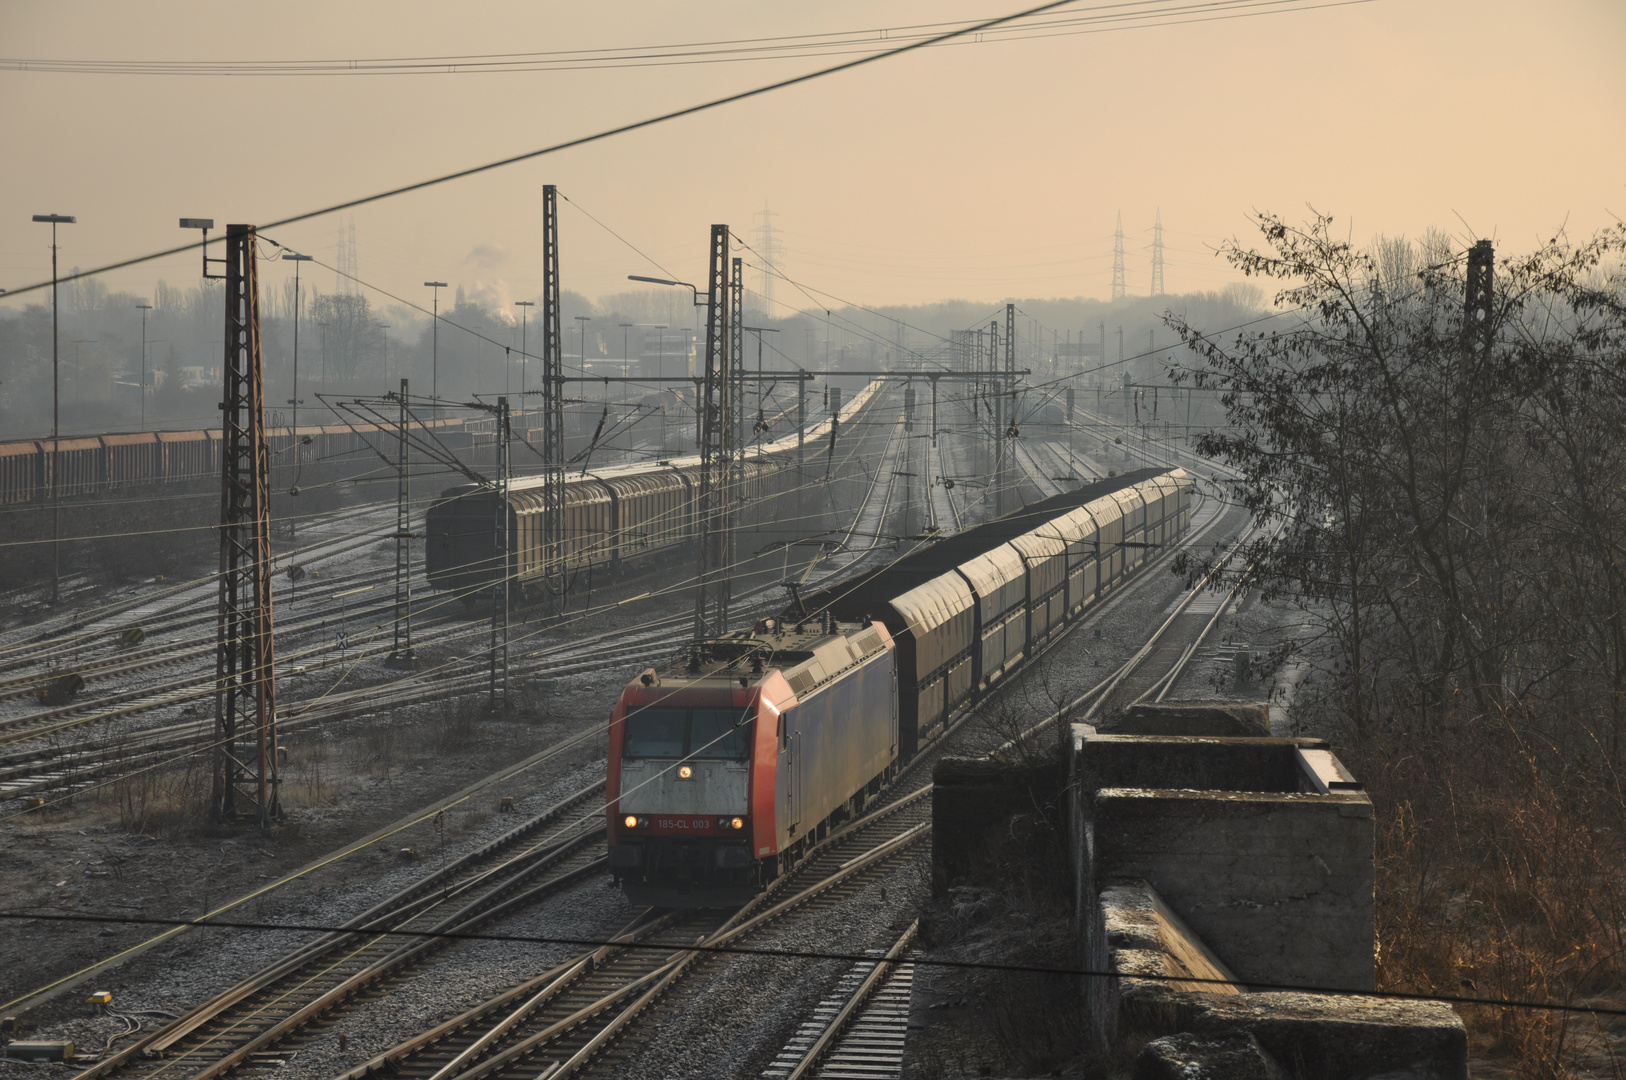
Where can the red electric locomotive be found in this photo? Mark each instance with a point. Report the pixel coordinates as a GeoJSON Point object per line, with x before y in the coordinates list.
{"type": "Point", "coordinates": [725, 767]}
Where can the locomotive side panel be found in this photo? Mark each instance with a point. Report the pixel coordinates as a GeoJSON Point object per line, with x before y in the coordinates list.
{"type": "Point", "coordinates": [842, 736]}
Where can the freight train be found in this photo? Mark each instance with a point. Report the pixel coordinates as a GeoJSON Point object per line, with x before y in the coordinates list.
{"type": "Point", "coordinates": [88, 465]}
{"type": "Point", "coordinates": [727, 765]}
{"type": "Point", "coordinates": [623, 516]}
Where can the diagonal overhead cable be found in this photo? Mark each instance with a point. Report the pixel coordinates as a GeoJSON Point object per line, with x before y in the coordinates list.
{"type": "Point", "coordinates": [636, 125]}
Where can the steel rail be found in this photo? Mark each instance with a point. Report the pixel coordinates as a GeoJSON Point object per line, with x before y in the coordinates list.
{"type": "Point", "coordinates": [838, 1024]}
{"type": "Point", "coordinates": [462, 876]}
{"type": "Point", "coordinates": [653, 974]}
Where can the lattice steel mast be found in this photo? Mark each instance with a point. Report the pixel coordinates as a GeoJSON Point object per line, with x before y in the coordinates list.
{"type": "Point", "coordinates": [736, 404]}
{"type": "Point", "coordinates": [501, 527]}
{"type": "Point", "coordinates": [1118, 259]}
{"type": "Point", "coordinates": [245, 753]}
{"type": "Point", "coordinates": [553, 419]}
{"type": "Point", "coordinates": [1478, 328]}
{"type": "Point", "coordinates": [714, 507]}
{"type": "Point", "coordinates": [401, 652]}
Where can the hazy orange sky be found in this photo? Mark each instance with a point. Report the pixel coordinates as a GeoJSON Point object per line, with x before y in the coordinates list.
{"type": "Point", "coordinates": [980, 170]}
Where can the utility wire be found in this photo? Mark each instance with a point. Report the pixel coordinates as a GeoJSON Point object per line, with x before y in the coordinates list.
{"type": "Point", "coordinates": [818, 954]}
{"type": "Point", "coordinates": [584, 140]}
{"type": "Point", "coordinates": [1103, 18]}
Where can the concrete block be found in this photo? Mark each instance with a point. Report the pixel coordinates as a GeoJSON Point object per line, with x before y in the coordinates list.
{"type": "Point", "coordinates": [1346, 1038]}
{"type": "Point", "coordinates": [39, 1051]}
{"type": "Point", "coordinates": [1204, 763]}
{"type": "Point", "coordinates": [1279, 886]}
{"type": "Point", "coordinates": [1234, 1056]}
{"type": "Point", "coordinates": [1349, 1037]}
{"type": "Point", "coordinates": [1213, 718]}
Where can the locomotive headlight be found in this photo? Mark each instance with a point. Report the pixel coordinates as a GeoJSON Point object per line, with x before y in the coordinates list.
{"type": "Point", "coordinates": [685, 772]}
{"type": "Point", "coordinates": [630, 821]}
{"type": "Point", "coordinates": [738, 823]}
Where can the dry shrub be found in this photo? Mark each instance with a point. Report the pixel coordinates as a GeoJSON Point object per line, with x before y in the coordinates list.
{"type": "Point", "coordinates": [1501, 873]}
{"type": "Point", "coordinates": [454, 724]}
{"type": "Point", "coordinates": [172, 800]}
{"type": "Point", "coordinates": [380, 749]}
{"type": "Point", "coordinates": [309, 783]}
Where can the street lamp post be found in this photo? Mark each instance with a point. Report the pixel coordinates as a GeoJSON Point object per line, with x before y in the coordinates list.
{"type": "Point", "coordinates": [143, 307]}
{"type": "Point", "coordinates": [56, 417]}
{"type": "Point", "coordinates": [698, 303]}
{"type": "Point", "coordinates": [434, 346]}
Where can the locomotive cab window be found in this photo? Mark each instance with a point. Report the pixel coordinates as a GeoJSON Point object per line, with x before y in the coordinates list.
{"type": "Point", "coordinates": [719, 733]}
{"type": "Point", "coordinates": [656, 733]}
{"type": "Point", "coordinates": [676, 733]}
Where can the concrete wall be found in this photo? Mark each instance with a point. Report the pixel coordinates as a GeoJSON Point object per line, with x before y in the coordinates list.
{"type": "Point", "coordinates": [1279, 885]}
{"type": "Point", "coordinates": [1279, 1034]}
{"type": "Point", "coordinates": [1228, 718]}
{"type": "Point", "coordinates": [1179, 761]}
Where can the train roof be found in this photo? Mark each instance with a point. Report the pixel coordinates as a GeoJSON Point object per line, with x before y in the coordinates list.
{"type": "Point", "coordinates": [868, 592]}
{"type": "Point", "coordinates": [808, 654]}
{"type": "Point", "coordinates": [689, 461]}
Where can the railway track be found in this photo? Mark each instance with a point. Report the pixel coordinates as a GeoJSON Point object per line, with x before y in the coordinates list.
{"type": "Point", "coordinates": [590, 1014]}
{"type": "Point", "coordinates": [36, 765]}
{"type": "Point", "coordinates": [860, 1030]}
{"type": "Point", "coordinates": [621, 1046]}
{"type": "Point", "coordinates": [235, 1030]}
{"type": "Point", "coordinates": [128, 661]}
{"type": "Point", "coordinates": [1157, 664]}
{"type": "Point", "coordinates": [181, 600]}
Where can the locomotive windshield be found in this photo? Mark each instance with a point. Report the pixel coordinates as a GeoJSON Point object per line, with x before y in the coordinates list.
{"type": "Point", "coordinates": [675, 733]}
{"type": "Point", "coordinates": [719, 733]}
{"type": "Point", "coordinates": [655, 733]}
